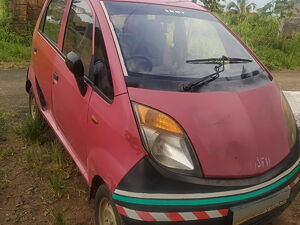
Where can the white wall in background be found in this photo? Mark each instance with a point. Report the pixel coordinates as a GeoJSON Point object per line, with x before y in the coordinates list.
{"type": "Point", "coordinates": [294, 100]}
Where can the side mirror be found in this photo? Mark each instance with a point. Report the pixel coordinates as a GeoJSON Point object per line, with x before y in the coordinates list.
{"type": "Point", "coordinates": [74, 64]}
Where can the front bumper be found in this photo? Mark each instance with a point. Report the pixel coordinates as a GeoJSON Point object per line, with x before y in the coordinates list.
{"type": "Point", "coordinates": [180, 217]}
{"type": "Point", "coordinates": [146, 196]}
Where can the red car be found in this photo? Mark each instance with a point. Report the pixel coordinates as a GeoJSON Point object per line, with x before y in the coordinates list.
{"type": "Point", "coordinates": [169, 116]}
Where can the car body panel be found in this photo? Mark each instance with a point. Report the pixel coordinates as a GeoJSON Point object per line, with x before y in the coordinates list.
{"type": "Point", "coordinates": [44, 54]}
{"type": "Point", "coordinates": [42, 65]}
{"type": "Point", "coordinates": [70, 109]}
{"type": "Point", "coordinates": [113, 143]}
{"type": "Point", "coordinates": [235, 134]}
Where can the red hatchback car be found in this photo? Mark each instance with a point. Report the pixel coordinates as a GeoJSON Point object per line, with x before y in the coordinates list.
{"type": "Point", "coordinates": [169, 116]}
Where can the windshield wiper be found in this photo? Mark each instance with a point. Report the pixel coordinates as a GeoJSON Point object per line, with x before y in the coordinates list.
{"type": "Point", "coordinates": [219, 68]}
{"type": "Point", "coordinates": [217, 60]}
{"type": "Point", "coordinates": [190, 86]}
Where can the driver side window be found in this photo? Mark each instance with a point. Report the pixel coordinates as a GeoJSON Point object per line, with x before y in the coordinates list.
{"type": "Point", "coordinates": [79, 32]}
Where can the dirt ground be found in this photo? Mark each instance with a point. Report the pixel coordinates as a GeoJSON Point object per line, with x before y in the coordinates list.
{"type": "Point", "coordinates": [25, 198]}
{"type": "Point", "coordinates": [288, 80]}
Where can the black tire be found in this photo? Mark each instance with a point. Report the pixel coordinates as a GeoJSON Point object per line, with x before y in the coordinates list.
{"type": "Point", "coordinates": [34, 112]}
{"type": "Point", "coordinates": [104, 195]}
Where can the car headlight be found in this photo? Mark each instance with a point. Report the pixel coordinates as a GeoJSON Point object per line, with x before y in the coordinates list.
{"type": "Point", "coordinates": [165, 140]}
{"type": "Point", "coordinates": [290, 121]}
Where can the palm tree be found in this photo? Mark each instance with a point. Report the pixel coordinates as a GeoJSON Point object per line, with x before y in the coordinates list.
{"type": "Point", "coordinates": [241, 8]}
{"type": "Point", "coordinates": [281, 8]}
{"type": "Point", "coordinates": [212, 5]}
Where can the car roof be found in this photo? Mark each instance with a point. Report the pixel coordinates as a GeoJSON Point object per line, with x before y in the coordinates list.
{"type": "Point", "coordinates": [175, 3]}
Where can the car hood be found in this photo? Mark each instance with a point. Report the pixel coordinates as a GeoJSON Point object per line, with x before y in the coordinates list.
{"type": "Point", "coordinates": [234, 134]}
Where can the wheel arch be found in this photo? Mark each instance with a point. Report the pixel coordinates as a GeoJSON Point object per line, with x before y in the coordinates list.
{"type": "Point", "coordinates": [96, 183]}
{"type": "Point", "coordinates": [28, 86]}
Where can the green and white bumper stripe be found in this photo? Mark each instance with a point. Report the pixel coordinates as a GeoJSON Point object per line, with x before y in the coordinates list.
{"type": "Point", "coordinates": [207, 198]}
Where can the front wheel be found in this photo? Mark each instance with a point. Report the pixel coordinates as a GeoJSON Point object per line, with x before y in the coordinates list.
{"type": "Point", "coordinates": [105, 210]}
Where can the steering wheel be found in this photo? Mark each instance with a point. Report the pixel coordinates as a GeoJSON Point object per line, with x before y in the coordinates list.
{"type": "Point", "coordinates": [139, 63]}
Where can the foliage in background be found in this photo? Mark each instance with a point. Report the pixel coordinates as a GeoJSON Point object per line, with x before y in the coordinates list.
{"type": "Point", "coordinates": [213, 5]}
{"type": "Point", "coordinates": [3, 8]}
{"type": "Point", "coordinates": [14, 47]}
{"type": "Point", "coordinates": [280, 8]}
{"type": "Point", "coordinates": [241, 7]}
{"type": "Point", "coordinates": [261, 29]}
{"type": "Point", "coordinates": [262, 35]}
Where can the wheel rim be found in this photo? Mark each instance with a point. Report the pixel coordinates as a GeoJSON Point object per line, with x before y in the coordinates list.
{"type": "Point", "coordinates": [106, 213]}
{"type": "Point", "coordinates": [33, 108]}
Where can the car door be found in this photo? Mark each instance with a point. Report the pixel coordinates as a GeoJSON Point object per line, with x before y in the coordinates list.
{"type": "Point", "coordinates": [113, 142]}
{"type": "Point", "coordinates": [45, 46]}
{"type": "Point", "coordinates": [69, 106]}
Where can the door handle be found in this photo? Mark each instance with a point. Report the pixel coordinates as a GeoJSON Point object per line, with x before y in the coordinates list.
{"type": "Point", "coordinates": [55, 77]}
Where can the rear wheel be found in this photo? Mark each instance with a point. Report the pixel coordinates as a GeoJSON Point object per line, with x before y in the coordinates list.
{"type": "Point", "coordinates": [33, 107]}
{"type": "Point", "coordinates": [105, 210]}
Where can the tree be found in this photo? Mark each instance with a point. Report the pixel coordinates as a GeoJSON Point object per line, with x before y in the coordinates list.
{"type": "Point", "coordinates": [213, 5]}
{"type": "Point", "coordinates": [241, 8]}
{"type": "Point", "coordinates": [281, 8]}
{"type": "Point", "coordinates": [267, 9]}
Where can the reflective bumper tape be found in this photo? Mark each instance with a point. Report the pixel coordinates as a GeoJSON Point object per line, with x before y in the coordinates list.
{"type": "Point", "coordinates": [295, 182]}
{"type": "Point", "coordinates": [171, 216]}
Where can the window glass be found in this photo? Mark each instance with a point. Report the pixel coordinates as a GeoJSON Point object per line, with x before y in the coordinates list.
{"type": "Point", "coordinates": [102, 76]}
{"type": "Point", "coordinates": [53, 18]}
{"type": "Point", "coordinates": [160, 41]}
{"type": "Point", "coordinates": [79, 32]}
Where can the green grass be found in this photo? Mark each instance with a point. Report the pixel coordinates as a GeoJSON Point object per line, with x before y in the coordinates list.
{"type": "Point", "coordinates": [56, 166]}
{"type": "Point", "coordinates": [11, 52]}
{"type": "Point", "coordinates": [6, 152]}
{"type": "Point", "coordinates": [56, 184]}
{"type": "Point", "coordinates": [57, 155]}
{"type": "Point", "coordinates": [15, 48]}
{"type": "Point", "coordinates": [3, 8]}
{"type": "Point", "coordinates": [58, 218]}
{"type": "Point", "coordinates": [33, 131]}
{"type": "Point", "coordinates": [45, 156]}
{"type": "Point", "coordinates": [48, 160]}
{"type": "Point", "coordinates": [2, 125]}
{"type": "Point", "coordinates": [32, 155]}
{"type": "Point", "coordinates": [3, 178]}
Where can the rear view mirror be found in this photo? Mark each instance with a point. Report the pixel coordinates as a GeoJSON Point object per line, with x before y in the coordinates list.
{"type": "Point", "coordinates": [75, 65]}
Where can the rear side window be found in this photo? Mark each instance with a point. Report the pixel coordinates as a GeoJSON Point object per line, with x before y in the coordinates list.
{"type": "Point", "coordinates": [52, 20]}
{"type": "Point", "coordinates": [79, 32]}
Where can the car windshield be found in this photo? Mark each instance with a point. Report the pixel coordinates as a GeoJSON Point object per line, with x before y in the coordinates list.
{"type": "Point", "coordinates": [160, 40]}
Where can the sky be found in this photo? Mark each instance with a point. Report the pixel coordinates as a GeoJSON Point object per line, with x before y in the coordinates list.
{"type": "Point", "coordinates": [260, 3]}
